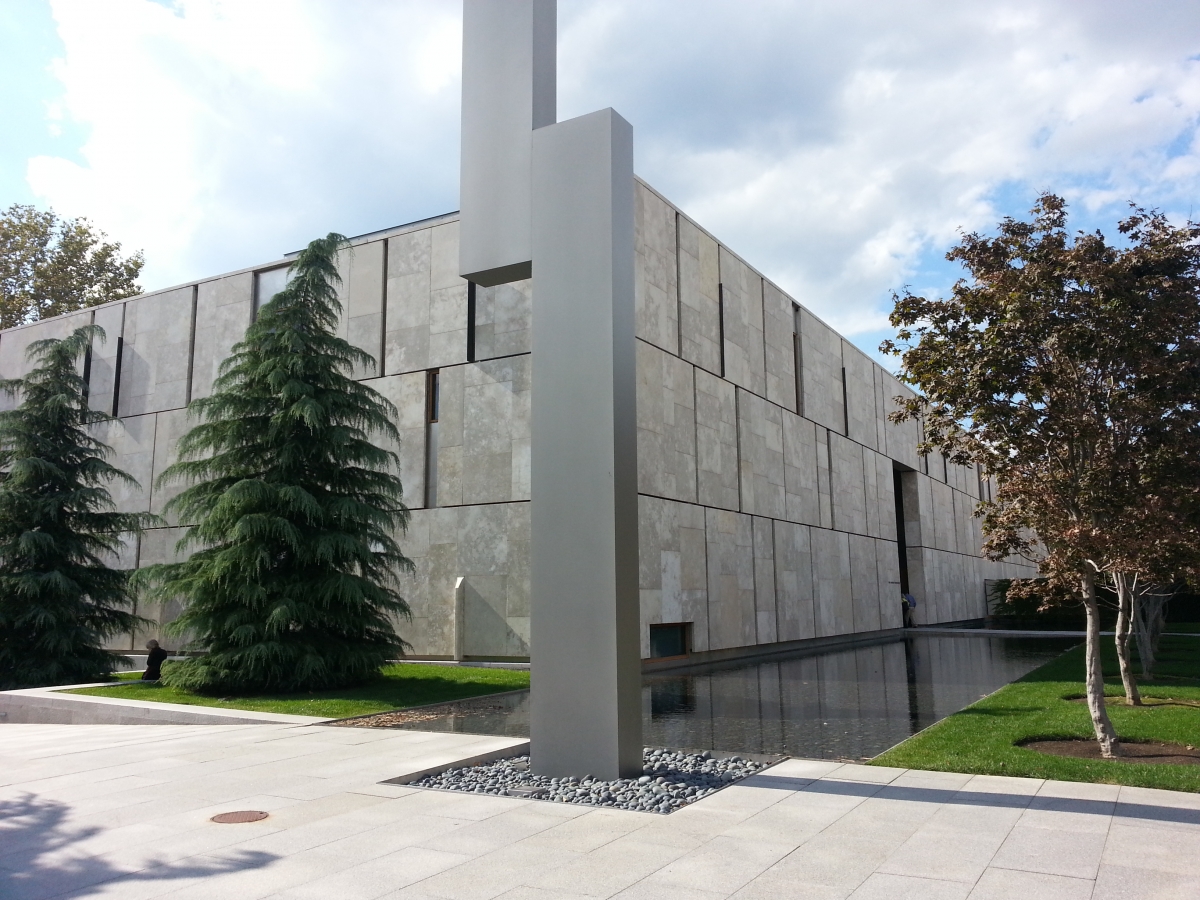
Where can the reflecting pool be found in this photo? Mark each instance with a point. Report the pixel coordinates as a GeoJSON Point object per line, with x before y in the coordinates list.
{"type": "Point", "coordinates": [845, 704]}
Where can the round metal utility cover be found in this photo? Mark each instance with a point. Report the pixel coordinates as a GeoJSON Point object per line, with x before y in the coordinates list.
{"type": "Point", "coordinates": [242, 815]}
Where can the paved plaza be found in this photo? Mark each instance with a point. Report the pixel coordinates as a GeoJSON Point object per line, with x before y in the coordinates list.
{"type": "Point", "coordinates": [123, 811]}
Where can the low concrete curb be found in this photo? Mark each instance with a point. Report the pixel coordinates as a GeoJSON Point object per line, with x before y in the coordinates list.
{"type": "Point", "coordinates": [518, 749]}
{"type": "Point", "coordinates": [49, 706]}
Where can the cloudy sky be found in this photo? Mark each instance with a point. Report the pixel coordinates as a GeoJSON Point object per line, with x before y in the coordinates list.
{"type": "Point", "coordinates": [840, 147]}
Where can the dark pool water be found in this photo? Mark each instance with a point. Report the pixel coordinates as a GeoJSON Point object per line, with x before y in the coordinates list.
{"type": "Point", "coordinates": [847, 704]}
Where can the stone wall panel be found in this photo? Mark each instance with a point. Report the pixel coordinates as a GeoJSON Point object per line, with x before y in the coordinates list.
{"type": "Point", "coordinates": [864, 576]}
{"type": "Point", "coordinates": [132, 442]}
{"type": "Point", "coordinates": [224, 309]}
{"type": "Point", "coordinates": [656, 294]}
{"type": "Point", "coordinates": [760, 443]}
{"type": "Point", "coordinates": [849, 488]}
{"type": "Point", "coordinates": [407, 394]}
{"type": "Point", "coordinates": [731, 596]}
{"type": "Point", "coordinates": [157, 546]}
{"type": "Point", "coordinates": [157, 352]}
{"type": "Point", "coordinates": [779, 326]}
{"type": "Point", "coordinates": [503, 319]}
{"type": "Point", "coordinates": [426, 317]}
{"type": "Point", "coordinates": [793, 582]}
{"type": "Point", "coordinates": [666, 421]}
{"type": "Point", "coordinates": [102, 379]}
{"type": "Point", "coordinates": [486, 546]}
{"type": "Point", "coordinates": [821, 360]}
{"type": "Point", "coordinates": [891, 614]}
{"type": "Point", "coordinates": [742, 304]}
{"type": "Point", "coordinates": [673, 572]}
{"type": "Point", "coordinates": [363, 303]}
{"type": "Point", "coordinates": [800, 470]}
{"type": "Point", "coordinates": [862, 416]}
{"type": "Point", "coordinates": [832, 587]}
{"type": "Point", "coordinates": [699, 297]}
{"type": "Point", "coordinates": [767, 630]}
{"type": "Point", "coordinates": [169, 427]}
{"type": "Point", "coordinates": [14, 344]}
{"type": "Point", "coordinates": [716, 442]}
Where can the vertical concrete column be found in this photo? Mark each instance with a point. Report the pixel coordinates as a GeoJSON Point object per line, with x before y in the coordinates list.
{"type": "Point", "coordinates": [586, 698]}
{"type": "Point", "coordinates": [508, 90]}
{"type": "Point", "coordinates": [460, 617]}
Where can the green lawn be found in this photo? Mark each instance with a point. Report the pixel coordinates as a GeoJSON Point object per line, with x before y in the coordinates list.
{"type": "Point", "coordinates": [982, 738]}
{"type": "Point", "coordinates": [407, 684]}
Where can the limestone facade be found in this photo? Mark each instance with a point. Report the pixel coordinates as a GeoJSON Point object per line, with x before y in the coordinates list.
{"type": "Point", "coordinates": [767, 512]}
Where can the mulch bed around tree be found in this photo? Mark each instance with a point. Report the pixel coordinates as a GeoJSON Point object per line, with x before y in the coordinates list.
{"type": "Point", "coordinates": [1147, 702]}
{"type": "Point", "coordinates": [1149, 752]}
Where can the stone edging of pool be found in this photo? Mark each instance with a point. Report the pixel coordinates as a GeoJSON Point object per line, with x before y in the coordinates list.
{"type": "Point", "coordinates": [49, 706]}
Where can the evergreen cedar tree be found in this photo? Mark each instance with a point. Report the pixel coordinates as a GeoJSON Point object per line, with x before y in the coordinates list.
{"type": "Point", "coordinates": [50, 266]}
{"type": "Point", "coordinates": [292, 580]}
{"type": "Point", "coordinates": [59, 598]}
{"type": "Point", "coordinates": [1069, 369]}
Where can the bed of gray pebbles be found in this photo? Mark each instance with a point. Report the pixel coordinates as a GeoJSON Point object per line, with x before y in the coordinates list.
{"type": "Point", "coordinates": [671, 779]}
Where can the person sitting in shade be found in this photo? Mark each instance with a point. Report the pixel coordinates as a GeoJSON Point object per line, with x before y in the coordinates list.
{"type": "Point", "coordinates": [154, 661]}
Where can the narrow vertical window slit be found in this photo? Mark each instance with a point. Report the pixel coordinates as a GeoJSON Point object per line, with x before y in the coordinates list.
{"type": "Point", "coordinates": [470, 321]}
{"type": "Point", "coordinates": [845, 405]}
{"type": "Point", "coordinates": [116, 398]}
{"type": "Point", "coordinates": [721, 325]}
{"type": "Point", "coordinates": [432, 410]}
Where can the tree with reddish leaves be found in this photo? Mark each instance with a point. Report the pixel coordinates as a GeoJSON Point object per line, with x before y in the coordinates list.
{"type": "Point", "coordinates": [1069, 368]}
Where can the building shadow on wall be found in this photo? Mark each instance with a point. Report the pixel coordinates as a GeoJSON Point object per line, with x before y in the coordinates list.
{"type": "Point", "coordinates": [487, 630]}
{"type": "Point", "coordinates": [43, 855]}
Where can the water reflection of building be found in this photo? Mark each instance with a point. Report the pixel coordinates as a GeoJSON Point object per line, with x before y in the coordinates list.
{"type": "Point", "coordinates": [849, 704]}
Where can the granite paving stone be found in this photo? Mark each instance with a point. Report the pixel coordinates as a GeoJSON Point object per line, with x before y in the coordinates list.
{"type": "Point", "coordinates": [905, 887]}
{"type": "Point", "coordinates": [999, 884]}
{"type": "Point", "coordinates": [94, 811]}
{"type": "Point", "coordinates": [1051, 851]}
{"type": "Point", "coordinates": [1127, 882]}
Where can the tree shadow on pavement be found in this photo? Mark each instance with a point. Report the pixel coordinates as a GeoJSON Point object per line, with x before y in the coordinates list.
{"type": "Point", "coordinates": [41, 855]}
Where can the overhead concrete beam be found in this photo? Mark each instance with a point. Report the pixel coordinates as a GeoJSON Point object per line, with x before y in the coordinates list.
{"type": "Point", "coordinates": [508, 90]}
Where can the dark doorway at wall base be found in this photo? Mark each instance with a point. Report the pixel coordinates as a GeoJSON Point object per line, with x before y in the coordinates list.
{"type": "Point", "coordinates": [671, 639]}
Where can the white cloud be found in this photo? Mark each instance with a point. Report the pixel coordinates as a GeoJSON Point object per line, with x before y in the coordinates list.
{"type": "Point", "coordinates": [838, 147]}
{"type": "Point", "coordinates": [224, 133]}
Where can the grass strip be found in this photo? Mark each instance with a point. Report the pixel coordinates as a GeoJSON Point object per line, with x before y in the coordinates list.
{"type": "Point", "coordinates": [983, 738]}
{"type": "Point", "coordinates": [399, 686]}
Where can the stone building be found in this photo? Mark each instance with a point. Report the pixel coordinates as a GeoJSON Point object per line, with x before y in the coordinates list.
{"type": "Point", "coordinates": [776, 502]}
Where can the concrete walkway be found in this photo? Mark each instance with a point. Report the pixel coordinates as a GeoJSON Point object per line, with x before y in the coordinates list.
{"type": "Point", "coordinates": [53, 705]}
{"type": "Point", "coordinates": [123, 812]}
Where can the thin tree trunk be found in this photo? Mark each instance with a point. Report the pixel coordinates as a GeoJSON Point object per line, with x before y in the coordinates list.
{"type": "Point", "coordinates": [1141, 632]}
{"type": "Point", "coordinates": [1110, 745]}
{"type": "Point", "coordinates": [1125, 601]}
{"type": "Point", "coordinates": [1149, 618]}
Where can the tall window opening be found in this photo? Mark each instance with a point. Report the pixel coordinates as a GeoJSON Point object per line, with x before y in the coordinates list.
{"type": "Point", "coordinates": [432, 404]}
{"type": "Point", "coordinates": [470, 321]}
{"type": "Point", "coordinates": [87, 373]}
{"type": "Point", "coordinates": [721, 325]}
{"type": "Point", "coordinates": [845, 405]}
{"type": "Point", "coordinates": [898, 479]}
{"type": "Point", "coordinates": [798, 360]}
{"type": "Point", "coordinates": [116, 400]}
